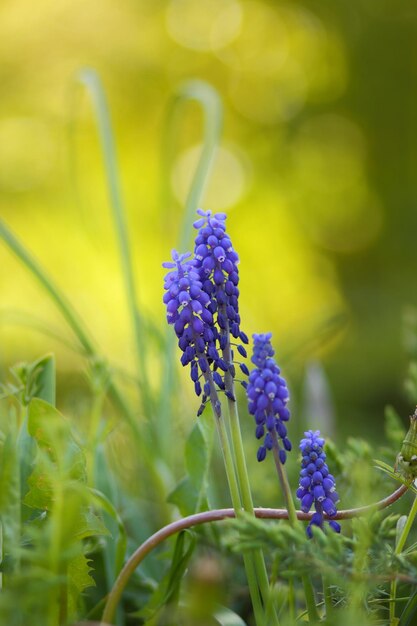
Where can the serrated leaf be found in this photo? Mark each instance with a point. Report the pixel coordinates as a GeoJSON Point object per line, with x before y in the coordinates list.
{"type": "Point", "coordinates": [59, 455]}
{"type": "Point", "coordinates": [79, 573]}
{"type": "Point", "coordinates": [79, 579]}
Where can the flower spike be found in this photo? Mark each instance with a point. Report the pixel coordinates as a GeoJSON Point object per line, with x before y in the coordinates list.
{"type": "Point", "coordinates": [317, 486]}
{"type": "Point", "coordinates": [187, 309]}
{"type": "Point", "coordinates": [268, 395]}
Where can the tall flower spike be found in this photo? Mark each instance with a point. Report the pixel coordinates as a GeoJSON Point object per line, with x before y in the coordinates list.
{"type": "Point", "coordinates": [216, 262]}
{"type": "Point", "coordinates": [267, 399]}
{"type": "Point", "coordinates": [187, 310]}
{"type": "Point", "coordinates": [317, 486]}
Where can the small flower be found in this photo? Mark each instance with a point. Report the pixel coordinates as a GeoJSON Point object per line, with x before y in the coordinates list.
{"type": "Point", "coordinates": [187, 309]}
{"type": "Point", "coordinates": [316, 486]}
{"type": "Point", "coordinates": [268, 395]}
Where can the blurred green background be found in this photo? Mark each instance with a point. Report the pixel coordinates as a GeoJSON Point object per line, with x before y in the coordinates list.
{"type": "Point", "coordinates": [317, 171]}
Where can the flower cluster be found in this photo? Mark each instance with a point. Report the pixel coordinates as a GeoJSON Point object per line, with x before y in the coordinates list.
{"type": "Point", "coordinates": [202, 304]}
{"type": "Point", "coordinates": [267, 399]}
{"type": "Point", "coordinates": [317, 486]}
{"type": "Point", "coordinates": [216, 261]}
{"type": "Point", "coordinates": [187, 309]}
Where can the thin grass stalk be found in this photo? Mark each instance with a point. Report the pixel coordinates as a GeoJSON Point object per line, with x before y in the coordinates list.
{"type": "Point", "coordinates": [91, 80]}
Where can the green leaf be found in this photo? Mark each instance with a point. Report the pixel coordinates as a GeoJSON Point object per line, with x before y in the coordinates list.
{"type": "Point", "coordinates": [104, 503]}
{"type": "Point", "coordinates": [53, 434]}
{"type": "Point", "coordinates": [394, 429]}
{"type": "Point", "coordinates": [388, 469]}
{"type": "Point", "coordinates": [226, 617]}
{"type": "Point", "coordinates": [190, 493]}
{"type": "Point", "coordinates": [79, 573]}
{"type": "Point", "coordinates": [184, 496]}
{"type": "Point", "coordinates": [168, 589]}
{"type": "Point", "coordinates": [10, 498]}
{"type": "Point", "coordinates": [400, 527]}
{"type": "Point", "coordinates": [198, 450]}
{"type": "Point", "coordinates": [59, 455]}
{"type": "Point", "coordinates": [410, 611]}
{"type": "Point", "coordinates": [46, 378]}
{"type": "Point", "coordinates": [36, 380]}
{"type": "Point", "coordinates": [79, 578]}
{"type": "Point", "coordinates": [88, 524]}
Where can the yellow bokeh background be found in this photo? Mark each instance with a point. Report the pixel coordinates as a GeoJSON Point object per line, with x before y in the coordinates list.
{"type": "Point", "coordinates": [294, 171]}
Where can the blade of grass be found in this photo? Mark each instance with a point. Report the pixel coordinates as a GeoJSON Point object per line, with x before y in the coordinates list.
{"type": "Point", "coordinates": [91, 80]}
{"type": "Point", "coordinates": [211, 105]}
{"type": "Point", "coordinates": [66, 309]}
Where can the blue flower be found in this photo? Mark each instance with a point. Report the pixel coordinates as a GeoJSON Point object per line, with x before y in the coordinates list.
{"type": "Point", "coordinates": [267, 399]}
{"type": "Point", "coordinates": [216, 261]}
{"type": "Point", "coordinates": [187, 309]}
{"type": "Point", "coordinates": [316, 486]}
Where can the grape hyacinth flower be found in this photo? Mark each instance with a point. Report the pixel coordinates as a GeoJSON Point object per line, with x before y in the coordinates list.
{"type": "Point", "coordinates": [317, 486]}
{"type": "Point", "coordinates": [268, 395]}
{"type": "Point", "coordinates": [187, 309]}
{"type": "Point", "coordinates": [216, 261]}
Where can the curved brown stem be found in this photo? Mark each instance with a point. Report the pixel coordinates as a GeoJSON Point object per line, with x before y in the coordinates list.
{"type": "Point", "coordinates": [218, 515]}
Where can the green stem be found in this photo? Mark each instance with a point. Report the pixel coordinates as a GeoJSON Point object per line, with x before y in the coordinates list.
{"type": "Point", "coordinates": [283, 479]}
{"type": "Point", "coordinates": [292, 516]}
{"type": "Point", "coordinates": [250, 560]}
{"type": "Point", "coordinates": [398, 549]}
{"type": "Point", "coordinates": [92, 82]}
{"type": "Point", "coordinates": [243, 477]}
{"type": "Point", "coordinates": [313, 616]}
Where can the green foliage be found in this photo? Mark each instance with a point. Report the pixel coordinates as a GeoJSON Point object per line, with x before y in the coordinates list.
{"type": "Point", "coordinates": [166, 596]}
{"type": "Point", "coordinates": [48, 517]}
{"type": "Point", "coordinates": [190, 494]}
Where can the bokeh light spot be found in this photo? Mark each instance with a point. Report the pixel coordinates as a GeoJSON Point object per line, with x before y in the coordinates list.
{"type": "Point", "coordinates": [228, 181]}
{"type": "Point", "coordinates": [283, 58]}
{"type": "Point", "coordinates": [203, 26]}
